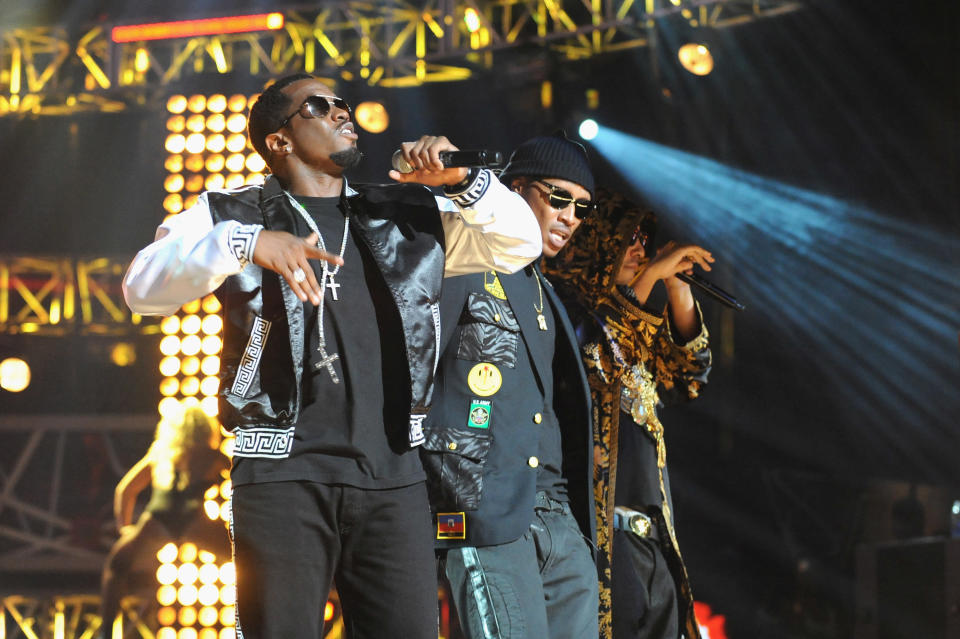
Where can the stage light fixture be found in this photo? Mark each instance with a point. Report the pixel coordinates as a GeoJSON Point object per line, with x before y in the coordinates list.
{"type": "Point", "coordinates": [214, 163]}
{"type": "Point", "coordinates": [169, 366]}
{"type": "Point", "coordinates": [236, 143]}
{"type": "Point", "coordinates": [696, 58]}
{"type": "Point", "coordinates": [472, 19]}
{"type": "Point", "coordinates": [170, 325]}
{"type": "Point", "coordinates": [234, 162]}
{"type": "Point", "coordinates": [207, 633]}
{"type": "Point", "coordinates": [210, 386]}
{"type": "Point", "coordinates": [167, 616]}
{"type": "Point", "coordinates": [194, 184]}
{"type": "Point", "coordinates": [170, 345]}
{"type": "Point", "coordinates": [256, 178]}
{"type": "Point", "coordinates": [190, 324]}
{"type": "Point", "coordinates": [196, 142]}
{"type": "Point", "coordinates": [216, 143]}
{"type": "Point", "coordinates": [236, 123]}
{"type": "Point", "coordinates": [211, 345]}
{"type": "Point", "coordinates": [169, 386]}
{"type": "Point", "coordinates": [234, 181]}
{"type": "Point", "coordinates": [173, 203]}
{"type": "Point", "coordinates": [372, 116]}
{"type": "Point", "coordinates": [168, 553]}
{"type": "Point", "coordinates": [173, 183]}
{"type": "Point", "coordinates": [216, 123]}
{"type": "Point", "coordinates": [168, 407]}
{"type": "Point", "coordinates": [173, 163]}
{"type": "Point", "coordinates": [190, 201]}
{"type": "Point", "coordinates": [14, 374]}
{"type": "Point", "coordinates": [176, 104]}
{"type": "Point", "coordinates": [190, 366]}
{"type": "Point", "coordinates": [255, 163]}
{"type": "Point", "coordinates": [211, 304]}
{"type": "Point", "coordinates": [211, 325]}
{"type": "Point", "coordinates": [195, 28]}
{"type": "Point", "coordinates": [176, 123]}
{"type": "Point", "coordinates": [175, 143]}
{"type": "Point", "coordinates": [210, 406]}
{"type": "Point", "coordinates": [237, 103]}
{"type": "Point", "coordinates": [190, 345]}
{"type": "Point", "coordinates": [187, 633]}
{"type": "Point", "coordinates": [588, 129]}
{"type": "Point", "coordinates": [214, 182]}
{"type": "Point", "coordinates": [166, 574]}
{"type": "Point", "coordinates": [195, 123]}
{"type": "Point", "coordinates": [217, 103]}
{"type": "Point", "coordinates": [194, 163]}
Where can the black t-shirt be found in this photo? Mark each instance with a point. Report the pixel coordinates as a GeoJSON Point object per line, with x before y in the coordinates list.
{"type": "Point", "coordinates": [353, 432]}
{"type": "Point", "coordinates": [549, 473]}
{"type": "Point", "coordinates": [638, 480]}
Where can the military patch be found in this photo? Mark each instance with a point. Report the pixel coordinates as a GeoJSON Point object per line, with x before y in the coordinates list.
{"type": "Point", "coordinates": [484, 379]}
{"type": "Point", "coordinates": [479, 416]}
{"type": "Point", "coordinates": [494, 287]}
{"type": "Point", "coordinates": [451, 525]}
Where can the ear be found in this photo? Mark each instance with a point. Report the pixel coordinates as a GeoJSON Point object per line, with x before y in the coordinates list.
{"type": "Point", "coordinates": [278, 143]}
{"type": "Point", "coordinates": [518, 184]}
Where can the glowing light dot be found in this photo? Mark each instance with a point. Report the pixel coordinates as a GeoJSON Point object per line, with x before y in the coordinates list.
{"type": "Point", "coordinates": [190, 345]}
{"type": "Point", "coordinates": [175, 143]}
{"type": "Point", "coordinates": [208, 594]}
{"type": "Point", "coordinates": [167, 554]}
{"type": "Point", "coordinates": [208, 574]}
{"type": "Point", "coordinates": [217, 103]}
{"type": "Point", "coordinates": [14, 374]}
{"type": "Point", "coordinates": [211, 344]}
{"type": "Point", "coordinates": [170, 345]}
{"type": "Point", "coordinates": [209, 386]}
{"type": "Point", "coordinates": [188, 552]}
{"type": "Point", "coordinates": [190, 366]}
{"type": "Point", "coordinates": [228, 574]}
{"type": "Point", "coordinates": [169, 366]}
{"type": "Point", "coordinates": [589, 129]}
{"type": "Point", "coordinates": [210, 365]}
{"type": "Point", "coordinates": [166, 574]}
{"type": "Point", "coordinates": [176, 104]}
{"type": "Point", "coordinates": [166, 595]}
{"type": "Point", "coordinates": [187, 595]}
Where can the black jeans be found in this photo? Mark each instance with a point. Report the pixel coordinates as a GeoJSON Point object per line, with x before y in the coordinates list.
{"type": "Point", "coordinates": [643, 592]}
{"type": "Point", "coordinates": [543, 585]}
{"type": "Point", "coordinates": [291, 539]}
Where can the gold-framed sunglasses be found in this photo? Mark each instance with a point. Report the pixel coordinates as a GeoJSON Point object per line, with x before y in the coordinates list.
{"type": "Point", "coordinates": [560, 199]}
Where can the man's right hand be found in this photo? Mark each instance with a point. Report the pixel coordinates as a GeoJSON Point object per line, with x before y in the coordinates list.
{"type": "Point", "coordinates": [286, 254]}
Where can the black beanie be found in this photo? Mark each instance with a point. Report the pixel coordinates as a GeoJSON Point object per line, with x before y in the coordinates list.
{"type": "Point", "coordinates": [552, 156]}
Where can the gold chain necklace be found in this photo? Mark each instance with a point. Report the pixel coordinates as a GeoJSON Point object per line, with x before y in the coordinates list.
{"type": "Point", "coordinates": [541, 320]}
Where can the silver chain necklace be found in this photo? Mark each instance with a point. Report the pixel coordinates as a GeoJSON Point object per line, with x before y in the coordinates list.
{"type": "Point", "coordinates": [326, 281]}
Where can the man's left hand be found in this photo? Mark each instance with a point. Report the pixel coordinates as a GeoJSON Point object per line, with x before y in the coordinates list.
{"type": "Point", "coordinates": [424, 156]}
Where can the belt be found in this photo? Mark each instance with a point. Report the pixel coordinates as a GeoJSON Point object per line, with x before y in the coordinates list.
{"type": "Point", "coordinates": [636, 522]}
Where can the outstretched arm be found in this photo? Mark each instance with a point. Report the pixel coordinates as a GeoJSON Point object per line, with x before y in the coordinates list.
{"type": "Point", "coordinates": [486, 225]}
{"type": "Point", "coordinates": [131, 485]}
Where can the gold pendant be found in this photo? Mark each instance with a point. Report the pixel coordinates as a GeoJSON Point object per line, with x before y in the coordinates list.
{"type": "Point", "coordinates": [542, 321]}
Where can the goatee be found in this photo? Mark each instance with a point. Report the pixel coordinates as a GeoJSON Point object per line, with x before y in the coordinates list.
{"type": "Point", "coordinates": [348, 158]}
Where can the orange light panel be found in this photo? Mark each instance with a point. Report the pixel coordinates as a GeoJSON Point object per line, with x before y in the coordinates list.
{"type": "Point", "coordinates": [193, 28]}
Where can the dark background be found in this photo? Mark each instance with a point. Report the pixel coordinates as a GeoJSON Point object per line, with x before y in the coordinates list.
{"type": "Point", "coordinates": [779, 470]}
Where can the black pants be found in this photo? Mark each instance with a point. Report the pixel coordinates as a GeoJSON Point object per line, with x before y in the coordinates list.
{"type": "Point", "coordinates": [644, 596]}
{"type": "Point", "coordinates": [292, 539]}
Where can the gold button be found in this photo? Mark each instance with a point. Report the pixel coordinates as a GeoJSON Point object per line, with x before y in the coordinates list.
{"type": "Point", "coordinates": [537, 418]}
{"type": "Point", "coordinates": [496, 317]}
{"type": "Point", "coordinates": [452, 445]}
{"type": "Point", "coordinates": [533, 462]}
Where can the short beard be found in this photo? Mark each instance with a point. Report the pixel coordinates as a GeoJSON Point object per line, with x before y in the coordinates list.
{"type": "Point", "coordinates": [348, 158]}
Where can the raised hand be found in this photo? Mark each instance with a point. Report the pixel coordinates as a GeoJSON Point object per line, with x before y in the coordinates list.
{"type": "Point", "coordinates": [289, 255]}
{"type": "Point", "coordinates": [424, 156]}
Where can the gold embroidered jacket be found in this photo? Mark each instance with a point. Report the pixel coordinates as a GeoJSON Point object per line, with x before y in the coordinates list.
{"type": "Point", "coordinates": [633, 365]}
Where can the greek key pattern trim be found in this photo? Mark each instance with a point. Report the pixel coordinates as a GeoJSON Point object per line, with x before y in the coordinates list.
{"type": "Point", "coordinates": [250, 361]}
{"type": "Point", "coordinates": [242, 238]}
{"type": "Point", "coordinates": [416, 430]}
{"type": "Point", "coordinates": [475, 190]}
{"type": "Point", "coordinates": [263, 442]}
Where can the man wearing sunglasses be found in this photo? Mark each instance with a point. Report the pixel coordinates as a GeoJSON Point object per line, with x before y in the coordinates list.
{"type": "Point", "coordinates": [331, 325]}
{"type": "Point", "coordinates": [509, 447]}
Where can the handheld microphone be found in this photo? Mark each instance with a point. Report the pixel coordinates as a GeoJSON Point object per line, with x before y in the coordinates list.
{"type": "Point", "coordinates": [712, 290]}
{"type": "Point", "coordinates": [453, 159]}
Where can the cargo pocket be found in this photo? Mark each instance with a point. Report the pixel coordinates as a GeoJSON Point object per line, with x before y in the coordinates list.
{"type": "Point", "coordinates": [454, 460]}
{"type": "Point", "coordinates": [489, 331]}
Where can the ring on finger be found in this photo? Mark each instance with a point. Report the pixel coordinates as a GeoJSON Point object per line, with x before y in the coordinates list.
{"type": "Point", "coordinates": [299, 276]}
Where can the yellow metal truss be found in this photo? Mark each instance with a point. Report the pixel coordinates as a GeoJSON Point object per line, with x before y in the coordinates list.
{"type": "Point", "coordinates": [388, 44]}
{"type": "Point", "coordinates": [57, 296]}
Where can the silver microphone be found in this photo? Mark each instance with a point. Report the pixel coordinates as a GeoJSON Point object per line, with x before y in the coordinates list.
{"type": "Point", "coordinates": [453, 159]}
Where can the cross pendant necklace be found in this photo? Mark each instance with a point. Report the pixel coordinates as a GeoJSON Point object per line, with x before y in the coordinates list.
{"type": "Point", "coordinates": [326, 281]}
{"type": "Point", "coordinates": [327, 362]}
{"type": "Point", "coordinates": [333, 286]}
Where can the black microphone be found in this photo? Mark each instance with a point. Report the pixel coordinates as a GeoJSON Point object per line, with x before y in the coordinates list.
{"type": "Point", "coordinates": [712, 290]}
{"type": "Point", "coordinates": [453, 159]}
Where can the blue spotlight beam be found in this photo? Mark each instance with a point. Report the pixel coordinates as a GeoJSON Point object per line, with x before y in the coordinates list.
{"type": "Point", "coordinates": [869, 302]}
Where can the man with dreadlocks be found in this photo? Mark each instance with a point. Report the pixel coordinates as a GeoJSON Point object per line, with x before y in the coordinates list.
{"type": "Point", "coordinates": [637, 359]}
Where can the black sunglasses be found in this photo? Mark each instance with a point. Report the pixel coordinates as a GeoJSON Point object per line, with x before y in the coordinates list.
{"type": "Point", "coordinates": [317, 106]}
{"type": "Point", "coordinates": [644, 232]}
{"type": "Point", "coordinates": [561, 199]}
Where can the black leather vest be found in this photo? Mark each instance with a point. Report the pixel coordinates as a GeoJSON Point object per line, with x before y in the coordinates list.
{"type": "Point", "coordinates": [263, 341]}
